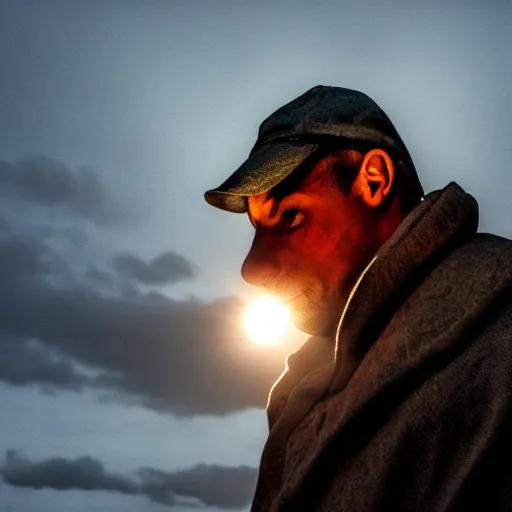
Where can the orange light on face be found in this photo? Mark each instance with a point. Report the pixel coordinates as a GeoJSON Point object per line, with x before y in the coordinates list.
{"type": "Point", "coordinates": [267, 321]}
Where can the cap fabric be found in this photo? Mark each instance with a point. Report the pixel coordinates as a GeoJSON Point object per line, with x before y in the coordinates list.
{"type": "Point", "coordinates": [294, 132]}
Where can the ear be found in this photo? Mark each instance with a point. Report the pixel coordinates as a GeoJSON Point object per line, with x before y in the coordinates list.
{"type": "Point", "coordinates": [375, 177]}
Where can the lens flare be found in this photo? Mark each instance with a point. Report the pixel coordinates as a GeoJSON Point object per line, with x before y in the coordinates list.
{"type": "Point", "coordinates": [267, 320]}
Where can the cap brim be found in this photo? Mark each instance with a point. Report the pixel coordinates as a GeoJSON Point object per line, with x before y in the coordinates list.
{"type": "Point", "coordinates": [263, 170]}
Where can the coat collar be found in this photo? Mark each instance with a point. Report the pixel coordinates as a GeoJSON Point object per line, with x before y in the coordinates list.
{"type": "Point", "coordinates": [441, 222]}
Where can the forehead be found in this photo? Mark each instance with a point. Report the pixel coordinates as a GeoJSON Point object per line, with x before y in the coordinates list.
{"type": "Point", "coordinates": [266, 204]}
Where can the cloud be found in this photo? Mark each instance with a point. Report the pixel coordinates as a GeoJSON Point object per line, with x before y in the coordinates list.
{"type": "Point", "coordinates": [68, 321]}
{"type": "Point", "coordinates": [46, 182]}
{"type": "Point", "coordinates": [83, 473]}
{"type": "Point", "coordinates": [186, 357]}
{"type": "Point", "coordinates": [27, 362]}
{"type": "Point", "coordinates": [23, 259]}
{"type": "Point", "coordinates": [200, 486]}
{"type": "Point", "coordinates": [216, 486]}
{"type": "Point", "coordinates": [100, 276]}
{"type": "Point", "coordinates": [58, 473]}
{"type": "Point", "coordinates": [168, 268]}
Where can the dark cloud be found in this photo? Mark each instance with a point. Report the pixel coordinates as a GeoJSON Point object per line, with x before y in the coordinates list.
{"type": "Point", "coordinates": [186, 357]}
{"type": "Point", "coordinates": [27, 362]}
{"type": "Point", "coordinates": [168, 268]}
{"type": "Point", "coordinates": [5, 227]}
{"type": "Point", "coordinates": [98, 275]}
{"type": "Point", "coordinates": [84, 473]}
{"type": "Point", "coordinates": [202, 485]}
{"type": "Point", "coordinates": [71, 235]}
{"type": "Point", "coordinates": [50, 183]}
{"type": "Point", "coordinates": [23, 260]}
{"type": "Point", "coordinates": [215, 486]}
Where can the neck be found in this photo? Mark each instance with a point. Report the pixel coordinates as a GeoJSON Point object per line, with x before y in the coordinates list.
{"type": "Point", "coordinates": [381, 227]}
{"type": "Point", "coordinates": [388, 222]}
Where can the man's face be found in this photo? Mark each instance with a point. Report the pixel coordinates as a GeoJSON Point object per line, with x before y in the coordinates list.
{"type": "Point", "coordinates": [309, 247]}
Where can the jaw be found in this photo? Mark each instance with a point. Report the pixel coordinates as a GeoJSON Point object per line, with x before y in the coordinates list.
{"type": "Point", "coordinates": [320, 321]}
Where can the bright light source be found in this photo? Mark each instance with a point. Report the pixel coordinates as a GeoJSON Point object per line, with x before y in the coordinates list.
{"type": "Point", "coordinates": [267, 320]}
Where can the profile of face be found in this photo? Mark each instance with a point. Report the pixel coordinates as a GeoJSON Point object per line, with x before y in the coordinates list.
{"type": "Point", "coordinates": [311, 243]}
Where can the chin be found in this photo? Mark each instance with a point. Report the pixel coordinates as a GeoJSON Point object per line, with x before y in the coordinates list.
{"type": "Point", "coordinates": [316, 322]}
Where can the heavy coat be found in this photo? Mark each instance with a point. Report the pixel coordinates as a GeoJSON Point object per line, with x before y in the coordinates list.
{"type": "Point", "coordinates": [410, 408]}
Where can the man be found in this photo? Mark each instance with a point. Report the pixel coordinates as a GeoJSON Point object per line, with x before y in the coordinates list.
{"type": "Point", "coordinates": [401, 400]}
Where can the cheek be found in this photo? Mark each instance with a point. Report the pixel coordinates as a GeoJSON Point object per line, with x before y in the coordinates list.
{"type": "Point", "coordinates": [329, 251]}
{"type": "Point", "coordinates": [323, 242]}
{"type": "Point", "coordinates": [316, 250]}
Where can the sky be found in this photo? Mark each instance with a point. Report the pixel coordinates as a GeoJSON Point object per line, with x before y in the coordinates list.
{"type": "Point", "coordinates": [127, 381]}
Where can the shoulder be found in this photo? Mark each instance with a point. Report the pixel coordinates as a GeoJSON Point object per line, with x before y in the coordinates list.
{"type": "Point", "coordinates": [485, 261]}
{"type": "Point", "coordinates": [486, 249]}
{"type": "Point", "coordinates": [476, 279]}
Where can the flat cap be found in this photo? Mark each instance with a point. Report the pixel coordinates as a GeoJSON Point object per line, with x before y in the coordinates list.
{"type": "Point", "coordinates": [322, 115]}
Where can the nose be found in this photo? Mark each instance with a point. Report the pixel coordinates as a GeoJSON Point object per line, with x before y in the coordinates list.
{"type": "Point", "coordinates": [260, 264]}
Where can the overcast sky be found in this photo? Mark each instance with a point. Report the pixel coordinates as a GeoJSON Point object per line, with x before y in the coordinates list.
{"type": "Point", "coordinates": [127, 382]}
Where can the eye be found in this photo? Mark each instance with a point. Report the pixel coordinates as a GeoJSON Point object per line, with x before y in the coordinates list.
{"type": "Point", "coordinates": [291, 218]}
